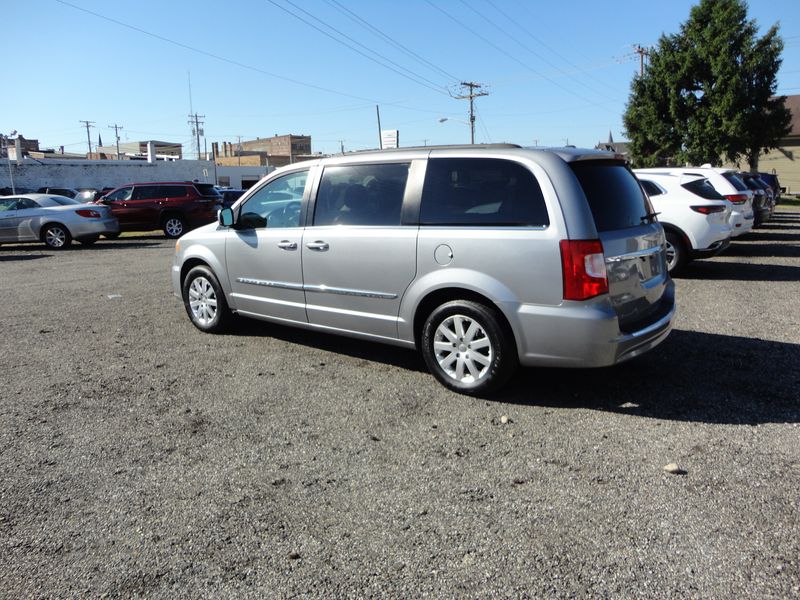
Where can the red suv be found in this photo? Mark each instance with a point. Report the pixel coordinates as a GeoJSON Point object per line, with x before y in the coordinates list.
{"type": "Point", "coordinates": [174, 207]}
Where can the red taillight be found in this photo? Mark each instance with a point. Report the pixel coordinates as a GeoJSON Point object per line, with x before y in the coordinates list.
{"type": "Point", "coordinates": [583, 266]}
{"type": "Point", "coordinates": [89, 213]}
{"type": "Point", "coordinates": [707, 210]}
{"type": "Point", "coordinates": [737, 198]}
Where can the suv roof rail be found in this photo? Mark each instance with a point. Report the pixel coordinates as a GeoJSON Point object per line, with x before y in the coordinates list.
{"type": "Point", "coordinates": [439, 147]}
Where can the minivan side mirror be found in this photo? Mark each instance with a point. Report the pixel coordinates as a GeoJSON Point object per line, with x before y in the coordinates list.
{"type": "Point", "coordinates": [225, 217]}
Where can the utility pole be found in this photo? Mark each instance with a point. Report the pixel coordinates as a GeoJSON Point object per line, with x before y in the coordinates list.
{"type": "Point", "coordinates": [116, 129]}
{"type": "Point", "coordinates": [197, 131]}
{"type": "Point", "coordinates": [88, 124]}
{"type": "Point", "coordinates": [239, 149]}
{"type": "Point", "coordinates": [471, 96]}
{"type": "Point", "coordinates": [642, 52]}
{"type": "Point", "coordinates": [380, 136]}
{"type": "Point", "coordinates": [341, 144]}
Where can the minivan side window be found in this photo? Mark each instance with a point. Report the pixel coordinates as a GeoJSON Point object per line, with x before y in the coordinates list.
{"type": "Point", "coordinates": [481, 191]}
{"type": "Point", "coordinates": [277, 204]}
{"type": "Point", "coordinates": [361, 194]}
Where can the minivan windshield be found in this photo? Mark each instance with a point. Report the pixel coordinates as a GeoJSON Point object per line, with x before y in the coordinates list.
{"type": "Point", "coordinates": [615, 197]}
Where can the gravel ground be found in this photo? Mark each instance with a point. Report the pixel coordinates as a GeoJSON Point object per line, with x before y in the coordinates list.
{"type": "Point", "coordinates": [142, 458]}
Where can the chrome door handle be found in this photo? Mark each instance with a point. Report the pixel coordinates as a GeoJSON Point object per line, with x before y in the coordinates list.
{"type": "Point", "coordinates": [287, 245]}
{"type": "Point", "coordinates": [318, 245]}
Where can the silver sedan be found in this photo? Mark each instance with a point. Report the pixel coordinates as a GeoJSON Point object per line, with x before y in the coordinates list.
{"type": "Point", "coordinates": [54, 220]}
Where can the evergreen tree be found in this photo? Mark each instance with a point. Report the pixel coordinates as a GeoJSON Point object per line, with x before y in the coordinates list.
{"type": "Point", "coordinates": [708, 93]}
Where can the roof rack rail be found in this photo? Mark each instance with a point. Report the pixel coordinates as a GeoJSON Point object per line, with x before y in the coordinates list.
{"type": "Point", "coordinates": [440, 147]}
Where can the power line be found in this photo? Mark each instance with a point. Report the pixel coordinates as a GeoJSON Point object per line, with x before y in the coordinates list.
{"type": "Point", "coordinates": [507, 54]}
{"type": "Point", "coordinates": [354, 16]}
{"type": "Point", "coordinates": [215, 56]}
{"type": "Point", "coordinates": [527, 32]}
{"type": "Point", "coordinates": [416, 78]}
{"type": "Point", "coordinates": [506, 33]}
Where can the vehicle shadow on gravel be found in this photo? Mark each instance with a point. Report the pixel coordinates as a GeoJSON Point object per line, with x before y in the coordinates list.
{"type": "Point", "coordinates": [692, 376]}
{"type": "Point", "coordinates": [740, 271]}
{"type": "Point", "coordinates": [15, 257]}
{"type": "Point", "coordinates": [366, 350]}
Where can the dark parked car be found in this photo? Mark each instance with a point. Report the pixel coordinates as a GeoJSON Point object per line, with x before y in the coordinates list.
{"type": "Point", "coordinates": [230, 196]}
{"type": "Point", "coordinates": [174, 207]}
{"type": "Point", "coordinates": [763, 198]}
{"type": "Point", "coordinates": [771, 179]}
{"type": "Point", "coordinates": [68, 192]}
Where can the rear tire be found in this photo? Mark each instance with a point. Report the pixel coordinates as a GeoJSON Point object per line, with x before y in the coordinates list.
{"type": "Point", "coordinates": [204, 300]}
{"type": "Point", "coordinates": [467, 348]}
{"type": "Point", "coordinates": [56, 236]}
{"type": "Point", "coordinates": [677, 253]}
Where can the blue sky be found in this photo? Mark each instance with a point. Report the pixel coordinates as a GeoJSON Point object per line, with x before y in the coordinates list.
{"type": "Point", "coordinates": [556, 72]}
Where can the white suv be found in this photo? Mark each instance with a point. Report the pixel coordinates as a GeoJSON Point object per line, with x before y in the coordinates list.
{"type": "Point", "coordinates": [726, 182]}
{"type": "Point", "coordinates": [694, 215]}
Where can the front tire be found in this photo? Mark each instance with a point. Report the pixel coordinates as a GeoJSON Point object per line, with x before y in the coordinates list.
{"type": "Point", "coordinates": [56, 236]}
{"type": "Point", "coordinates": [204, 301]}
{"type": "Point", "coordinates": [174, 226]}
{"type": "Point", "coordinates": [467, 347]}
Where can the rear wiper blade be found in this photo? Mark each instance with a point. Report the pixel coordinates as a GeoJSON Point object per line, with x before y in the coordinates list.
{"type": "Point", "coordinates": [649, 217]}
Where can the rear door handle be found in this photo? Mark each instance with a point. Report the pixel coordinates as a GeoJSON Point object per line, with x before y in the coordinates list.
{"type": "Point", "coordinates": [287, 245]}
{"type": "Point", "coordinates": [318, 245]}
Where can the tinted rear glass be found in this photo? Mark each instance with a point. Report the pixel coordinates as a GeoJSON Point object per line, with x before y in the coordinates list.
{"type": "Point", "coordinates": [701, 187]}
{"type": "Point", "coordinates": [735, 182]}
{"type": "Point", "coordinates": [172, 191]}
{"type": "Point", "coordinates": [651, 188]}
{"type": "Point", "coordinates": [614, 194]}
{"type": "Point", "coordinates": [206, 189]}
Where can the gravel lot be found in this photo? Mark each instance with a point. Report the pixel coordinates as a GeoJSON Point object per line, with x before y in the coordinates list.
{"type": "Point", "coordinates": [142, 458]}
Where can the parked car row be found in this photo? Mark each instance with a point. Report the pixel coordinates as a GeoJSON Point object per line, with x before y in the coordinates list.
{"type": "Point", "coordinates": [703, 208]}
{"type": "Point", "coordinates": [56, 216]}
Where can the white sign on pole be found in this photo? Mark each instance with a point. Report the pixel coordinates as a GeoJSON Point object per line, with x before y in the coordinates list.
{"type": "Point", "coordinates": [390, 138]}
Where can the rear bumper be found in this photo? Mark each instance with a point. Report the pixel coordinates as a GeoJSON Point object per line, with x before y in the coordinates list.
{"type": "Point", "coordinates": [578, 335]}
{"type": "Point", "coordinates": [94, 227]}
{"type": "Point", "coordinates": [712, 250]}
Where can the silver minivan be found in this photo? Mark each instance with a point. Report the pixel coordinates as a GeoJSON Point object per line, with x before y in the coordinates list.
{"type": "Point", "coordinates": [481, 257]}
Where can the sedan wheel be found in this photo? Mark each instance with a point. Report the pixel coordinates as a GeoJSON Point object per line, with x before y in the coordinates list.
{"type": "Point", "coordinates": [56, 237]}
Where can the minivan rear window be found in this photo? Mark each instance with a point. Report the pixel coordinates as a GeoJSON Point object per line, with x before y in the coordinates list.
{"type": "Point", "coordinates": [614, 194]}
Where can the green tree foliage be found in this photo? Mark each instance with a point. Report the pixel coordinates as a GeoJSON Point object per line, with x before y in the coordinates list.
{"type": "Point", "coordinates": [709, 91]}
